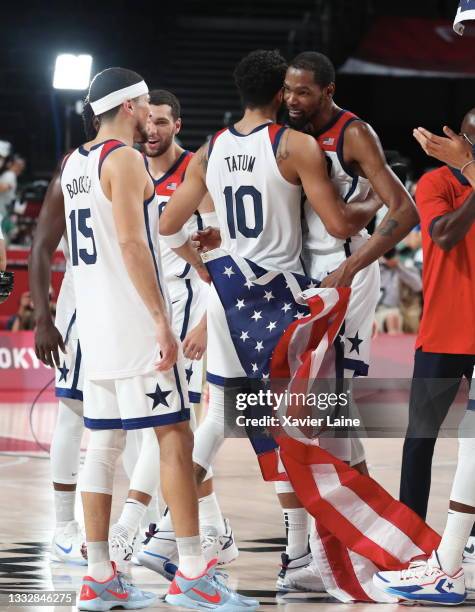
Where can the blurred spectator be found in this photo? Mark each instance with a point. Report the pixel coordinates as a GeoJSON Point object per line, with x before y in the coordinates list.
{"type": "Point", "coordinates": [395, 279]}
{"type": "Point", "coordinates": [25, 317]}
{"type": "Point", "coordinates": [9, 182]}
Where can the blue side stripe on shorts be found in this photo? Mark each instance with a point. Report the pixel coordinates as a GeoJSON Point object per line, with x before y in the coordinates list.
{"type": "Point", "coordinates": [186, 315]}
{"type": "Point", "coordinates": [71, 323]}
{"type": "Point", "coordinates": [179, 389]}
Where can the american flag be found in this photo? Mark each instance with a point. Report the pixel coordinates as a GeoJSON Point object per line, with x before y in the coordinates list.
{"type": "Point", "coordinates": [465, 12]}
{"type": "Point", "coordinates": [283, 326]}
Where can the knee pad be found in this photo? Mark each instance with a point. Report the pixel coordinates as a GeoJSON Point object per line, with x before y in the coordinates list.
{"type": "Point", "coordinates": [146, 473]}
{"type": "Point", "coordinates": [66, 442]}
{"type": "Point", "coordinates": [105, 447]}
{"type": "Point", "coordinates": [463, 488]}
{"type": "Point", "coordinates": [210, 434]}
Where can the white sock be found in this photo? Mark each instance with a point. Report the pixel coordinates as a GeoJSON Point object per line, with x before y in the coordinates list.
{"type": "Point", "coordinates": [132, 514]}
{"type": "Point", "coordinates": [98, 561]}
{"type": "Point", "coordinates": [191, 562]}
{"type": "Point", "coordinates": [166, 522]}
{"type": "Point", "coordinates": [152, 513]}
{"type": "Point", "coordinates": [296, 525]}
{"type": "Point", "coordinates": [454, 539]}
{"type": "Point", "coordinates": [64, 506]}
{"type": "Point", "coordinates": [210, 513]}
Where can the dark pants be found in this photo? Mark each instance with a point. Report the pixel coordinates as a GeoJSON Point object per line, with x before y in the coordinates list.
{"type": "Point", "coordinates": [435, 382]}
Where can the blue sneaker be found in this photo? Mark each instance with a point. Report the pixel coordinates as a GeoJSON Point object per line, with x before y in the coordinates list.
{"type": "Point", "coordinates": [113, 593]}
{"type": "Point", "coordinates": [208, 592]}
{"type": "Point", "coordinates": [424, 582]}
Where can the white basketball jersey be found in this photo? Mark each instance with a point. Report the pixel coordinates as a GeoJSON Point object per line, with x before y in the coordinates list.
{"type": "Point", "coordinates": [174, 266]}
{"type": "Point", "coordinates": [116, 331]}
{"type": "Point", "coordinates": [350, 186]}
{"type": "Point", "coordinates": [66, 302]}
{"type": "Point", "coordinates": [258, 210]}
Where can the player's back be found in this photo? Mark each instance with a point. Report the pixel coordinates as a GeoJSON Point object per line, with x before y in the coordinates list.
{"type": "Point", "coordinates": [117, 332]}
{"type": "Point", "coordinates": [258, 210]}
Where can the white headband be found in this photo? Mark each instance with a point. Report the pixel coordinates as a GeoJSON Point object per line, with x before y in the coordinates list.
{"type": "Point", "coordinates": [117, 97]}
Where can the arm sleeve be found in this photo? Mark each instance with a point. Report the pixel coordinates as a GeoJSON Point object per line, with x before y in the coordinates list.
{"type": "Point", "coordinates": [433, 202]}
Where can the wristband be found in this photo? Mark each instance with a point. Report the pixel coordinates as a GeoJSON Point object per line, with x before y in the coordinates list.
{"type": "Point", "coordinates": [472, 161]}
{"type": "Point", "coordinates": [174, 241]}
{"type": "Point", "coordinates": [210, 219]}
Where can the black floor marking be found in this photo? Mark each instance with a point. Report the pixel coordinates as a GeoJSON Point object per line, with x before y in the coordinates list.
{"type": "Point", "coordinates": [263, 549]}
{"type": "Point", "coordinates": [276, 541]}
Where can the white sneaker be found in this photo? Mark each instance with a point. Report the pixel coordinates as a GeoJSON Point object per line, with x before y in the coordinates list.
{"type": "Point", "coordinates": [469, 551]}
{"type": "Point", "coordinates": [228, 550]}
{"type": "Point", "coordinates": [305, 579]}
{"type": "Point", "coordinates": [209, 542]}
{"type": "Point", "coordinates": [121, 548]}
{"type": "Point", "coordinates": [424, 582]}
{"type": "Point", "coordinates": [160, 552]}
{"type": "Point", "coordinates": [289, 567]}
{"type": "Point", "coordinates": [68, 544]}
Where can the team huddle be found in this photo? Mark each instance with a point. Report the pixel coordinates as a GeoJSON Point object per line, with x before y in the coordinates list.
{"type": "Point", "coordinates": [137, 316]}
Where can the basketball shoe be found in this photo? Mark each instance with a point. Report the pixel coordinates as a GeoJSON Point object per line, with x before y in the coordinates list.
{"type": "Point", "coordinates": [304, 579]}
{"type": "Point", "coordinates": [160, 552]}
{"type": "Point", "coordinates": [114, 592]}
{"type": "Point", "coordinates": [469, 551]}
{"type": "Point", "coordinates": [207, 591]}
{"type": "Point", "coordinates": [121, 547]}
{"type": "Point", "coordinates": [68, 544]}
{"type": "Point", "coordinates": [424, 582]}
{"type": "Point", "coordinates": [289, 569]}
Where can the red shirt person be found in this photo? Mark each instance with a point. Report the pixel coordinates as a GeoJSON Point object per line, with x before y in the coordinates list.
{"type": "Point", "coordinates": [445, 346]}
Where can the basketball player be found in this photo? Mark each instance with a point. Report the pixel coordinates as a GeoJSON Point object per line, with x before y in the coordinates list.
{"type": "Point", "coordinates": [356, 164]}
{"type": "Point", "coordinates": [167, 162]}
{"type": "Point", "coordinates": [281, 161]}
{"type": "Point", "coordinates": [134, 375]}
{"type": "Point", "coordinates": [139, 454]}
{"type": "Point", "coordinates": [52, 336]}
{"type": "Point", "coordinates": [68, 540]}
{"type": "Point", "coordinates": [282, 165]}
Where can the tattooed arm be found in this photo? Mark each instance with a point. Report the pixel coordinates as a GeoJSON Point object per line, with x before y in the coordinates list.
{"type": "Point", "coordinates": [363, 150]}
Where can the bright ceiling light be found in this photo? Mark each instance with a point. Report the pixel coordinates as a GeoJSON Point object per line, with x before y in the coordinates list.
{"type": "Point", "coordinates": [72, 71]}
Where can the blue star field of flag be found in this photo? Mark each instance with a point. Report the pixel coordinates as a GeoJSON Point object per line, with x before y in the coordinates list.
{"type": "Point", "coordinates": [257, 315]}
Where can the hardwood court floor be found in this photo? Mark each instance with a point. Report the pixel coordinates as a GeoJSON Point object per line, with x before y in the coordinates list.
{"type": "Point", "coordinates": [27, 519]}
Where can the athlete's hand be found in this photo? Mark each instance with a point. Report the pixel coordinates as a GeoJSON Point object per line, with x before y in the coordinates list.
{"type": "Point", "coordinates": [168, 346]}
{"type": "Point", "coordinates": [341, 277]}
{"type": "Point", "coordinates": [194, 344]}
{"type": "Point", "coordinates": [48, 341]}
{"type": "Point", "coordinates": [207, 239]}
{"type": "Point", "coordinates": [203, 273]}
{"type": "Point", "coordinates": [454, 150]}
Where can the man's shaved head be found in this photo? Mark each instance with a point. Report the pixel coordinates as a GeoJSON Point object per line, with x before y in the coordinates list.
{"type": "Point", "coordinates": [468, 125]}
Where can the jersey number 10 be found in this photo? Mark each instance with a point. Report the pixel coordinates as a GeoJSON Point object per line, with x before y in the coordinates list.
{"type": "Point", "coordinates": [80, 225]}
{"type": "Point", "coordinates": [235, 209]}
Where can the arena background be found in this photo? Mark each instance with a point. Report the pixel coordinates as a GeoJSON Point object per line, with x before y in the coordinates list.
{"type": "Point", "coordinates": [400, 65]}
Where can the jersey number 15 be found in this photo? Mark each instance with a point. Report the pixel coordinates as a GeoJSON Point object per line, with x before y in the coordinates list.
{"type": "Point", "coordinates": [79, 224]}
